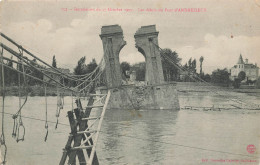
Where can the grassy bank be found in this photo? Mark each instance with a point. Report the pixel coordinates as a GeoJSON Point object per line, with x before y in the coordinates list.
{"type": "Point", "coordinates": [34, 91]}
{"type": "Point", "coordinates": [181, 87]}
{"type": "Point", "coordinates": [200, 87]}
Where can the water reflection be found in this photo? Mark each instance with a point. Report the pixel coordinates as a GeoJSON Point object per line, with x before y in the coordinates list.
{"type": "Point", "coordinates": [137, 134]}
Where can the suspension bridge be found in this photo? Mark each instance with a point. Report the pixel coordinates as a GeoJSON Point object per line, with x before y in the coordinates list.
{"type": "Point", "coordinates": [81, 144]}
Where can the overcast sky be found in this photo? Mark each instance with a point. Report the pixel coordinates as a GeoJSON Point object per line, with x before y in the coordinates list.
{"type": "Point", "coordinates": [47, 30]}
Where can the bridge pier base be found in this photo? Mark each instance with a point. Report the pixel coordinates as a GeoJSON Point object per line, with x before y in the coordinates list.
{"type": "Point", "coordinates": [162, 97]}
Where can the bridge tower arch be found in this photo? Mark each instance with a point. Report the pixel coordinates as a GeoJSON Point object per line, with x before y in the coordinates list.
{"type": "Point", "coordinates": [146, 41]}
{"type": "Point", "coordinates": [113, 41]}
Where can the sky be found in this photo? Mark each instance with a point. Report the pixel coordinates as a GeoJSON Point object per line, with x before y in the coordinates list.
{"type": "Point", "coordinates": [224, 30]}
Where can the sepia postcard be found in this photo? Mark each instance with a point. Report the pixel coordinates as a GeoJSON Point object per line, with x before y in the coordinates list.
{"type": "Point", "coordinates": [130, 82]}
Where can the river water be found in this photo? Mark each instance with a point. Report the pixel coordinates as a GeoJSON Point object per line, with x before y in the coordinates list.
{"type": "Point", "coordinates": [143, 137]}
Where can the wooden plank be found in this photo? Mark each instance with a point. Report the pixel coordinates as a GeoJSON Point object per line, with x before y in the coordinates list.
{"type": "Point", "coordinates": [78, 103]}
{"type": "Point", "coordinates": [95, 106]}
{"type": "Point", "coordinates": [91, 158]}
{"type": "Point", "coordinates": [82, 127]}
{"type": "Point", "coordinates": [77, 112]}
{"type": "Point", "coordinates": [90, 118]}
{"type": "Point", "coordinates": [81, 148]}
{"type": "Point", "coordinates": [86, 132]}
{"type": "Point", "coordinates": [96, 95]}
{"type": "Point", "coordinates": [74, 124]}
{"type": "Point", "coordinates": [236, 106]}
{"type": "Point", "coordinates": [78, 116]}
{"type": "Point", "coordinates": [66, 152]}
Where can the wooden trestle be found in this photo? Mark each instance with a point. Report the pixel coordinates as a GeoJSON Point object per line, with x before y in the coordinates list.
{"type": "Point", "coordinates": [81, 136]}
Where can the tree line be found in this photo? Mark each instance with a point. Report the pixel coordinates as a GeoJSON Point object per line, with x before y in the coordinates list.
{"type": "Point", "coordinates": [171, 72]}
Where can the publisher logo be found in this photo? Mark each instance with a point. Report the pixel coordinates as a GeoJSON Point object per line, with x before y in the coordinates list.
{"type": "Point", "coordinates": [251, 149]}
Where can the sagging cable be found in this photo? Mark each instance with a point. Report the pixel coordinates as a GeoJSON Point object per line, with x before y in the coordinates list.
{"type": "Point", "coordinates": [46, 113]}
{"type": "Point", "coordinates": [2, 137]}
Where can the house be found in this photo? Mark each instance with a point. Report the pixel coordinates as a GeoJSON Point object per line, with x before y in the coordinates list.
{"type": "Point", "coordinates": [251, 70]}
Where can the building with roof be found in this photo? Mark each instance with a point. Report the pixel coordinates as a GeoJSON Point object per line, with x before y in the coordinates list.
{"type": "Point", "coordinates": [251, 70]}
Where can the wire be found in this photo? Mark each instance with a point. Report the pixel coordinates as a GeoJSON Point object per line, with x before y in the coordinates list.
{"type": "Point", "coordinates": [186, 146]}
{"type": "Point", "coordinates": [29, 53]}
{"type": "Point", "coordinates": [2, 138]}
{"type": "Point", "coordinates": [46, 114]}
{"type": "Point", "coordinates": [19, 123]}
{"type": "Point", "coordinates": [134, 137]}
{"type": "Point", "coordinates": [37, 119]}
{"type": "Point", "coordinates": [35, 78]}
{"type": "Point", "coordinates": [40, 70]}
{"type": "Point", "coordinates": [182, 68]}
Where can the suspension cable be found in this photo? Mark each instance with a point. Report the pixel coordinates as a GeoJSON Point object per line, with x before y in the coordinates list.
{"type": "Point", "coordinates": [18, 123]}
{"type": "Point", "coordinates": [46, 113]}
{"type": "Point", "coordinates": [29, 53]}
{"type": "Point", "coordinates": [99, 66]}
{"type": "Point", "coordinates": [21, 57]}
{"type": "Point", "coordinates": [2, 138]}
{"type": "Point", "coordinates": [171, 60]}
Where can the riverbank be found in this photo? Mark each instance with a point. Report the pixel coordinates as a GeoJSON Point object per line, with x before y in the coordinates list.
{"type": "Point", "coordinates": [183, 87]}
{"type": "Point", "coordinates": [36, 90]}
{"type": "Point", "coordinates": [186, 87]}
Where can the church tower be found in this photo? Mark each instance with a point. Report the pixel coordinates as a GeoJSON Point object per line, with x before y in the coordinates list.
{"type": "Point", "coordinates": [240, 64]}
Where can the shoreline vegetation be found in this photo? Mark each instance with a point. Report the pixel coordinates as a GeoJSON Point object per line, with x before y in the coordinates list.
{"type": "Point", "coordinates": [36, 90]}
{"type": "Point", "coordinates": [182, 87]}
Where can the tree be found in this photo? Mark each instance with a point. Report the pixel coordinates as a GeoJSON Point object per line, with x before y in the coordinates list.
{"type": "Point", "coordinates": [170, 70]}
{"type": "Point", "coordinates": [54, 63]}
{"type": "Point", "coordinates": [241, 75]}
{"type": "Point", "coordinates": [139, 69]}
{"type": "Point", "coordinates": [257, 84]}
{"type": "Point", "coordinates": [10, 75]}
{"type": "Point", "coordinates": [220, 76]}
{"type": "Point", "coordinates": [236, 83]}
{"type": "Point", "coordinates": [191, 65]}
{"type": "Point", "coordinates": [90, 67]}
{"type": "Point", "coordinates": [79, 69]}
{"type": "Point", "coordinates": [34, 72]}
{"type": "Point", "coordinates": [207, 78]}
{"type": "Point", "coordinates": [201, 61]}
{"type": "Point", "coordinates": [125, 66]}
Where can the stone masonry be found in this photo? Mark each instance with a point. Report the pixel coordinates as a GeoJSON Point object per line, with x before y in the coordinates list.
{"type": "Point", "coordinates": [156, 94]}
{"type": "Point", "coordinates": [146, 39]}
{"type": "Point", "coordinates": [113, 41]}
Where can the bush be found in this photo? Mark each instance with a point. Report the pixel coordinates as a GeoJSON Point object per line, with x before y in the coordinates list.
{"type": "Point", "coordinates": [236, 83]}
{"type": "Point", "coordinates": [257, 84]}
{"type": "Point", "coordinates": [220, 76]}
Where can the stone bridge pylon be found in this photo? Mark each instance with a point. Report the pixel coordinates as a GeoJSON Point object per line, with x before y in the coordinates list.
{"type": "Point", "coordinates": [155, 95]}
{"type": "Point", "coordinates": [146, 41]}
{"type": "Point", "coordinates": [113, 41]}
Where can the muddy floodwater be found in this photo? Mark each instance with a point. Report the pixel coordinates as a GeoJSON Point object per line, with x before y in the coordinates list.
{"type": "Point", "coordinates": [146, 136]}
